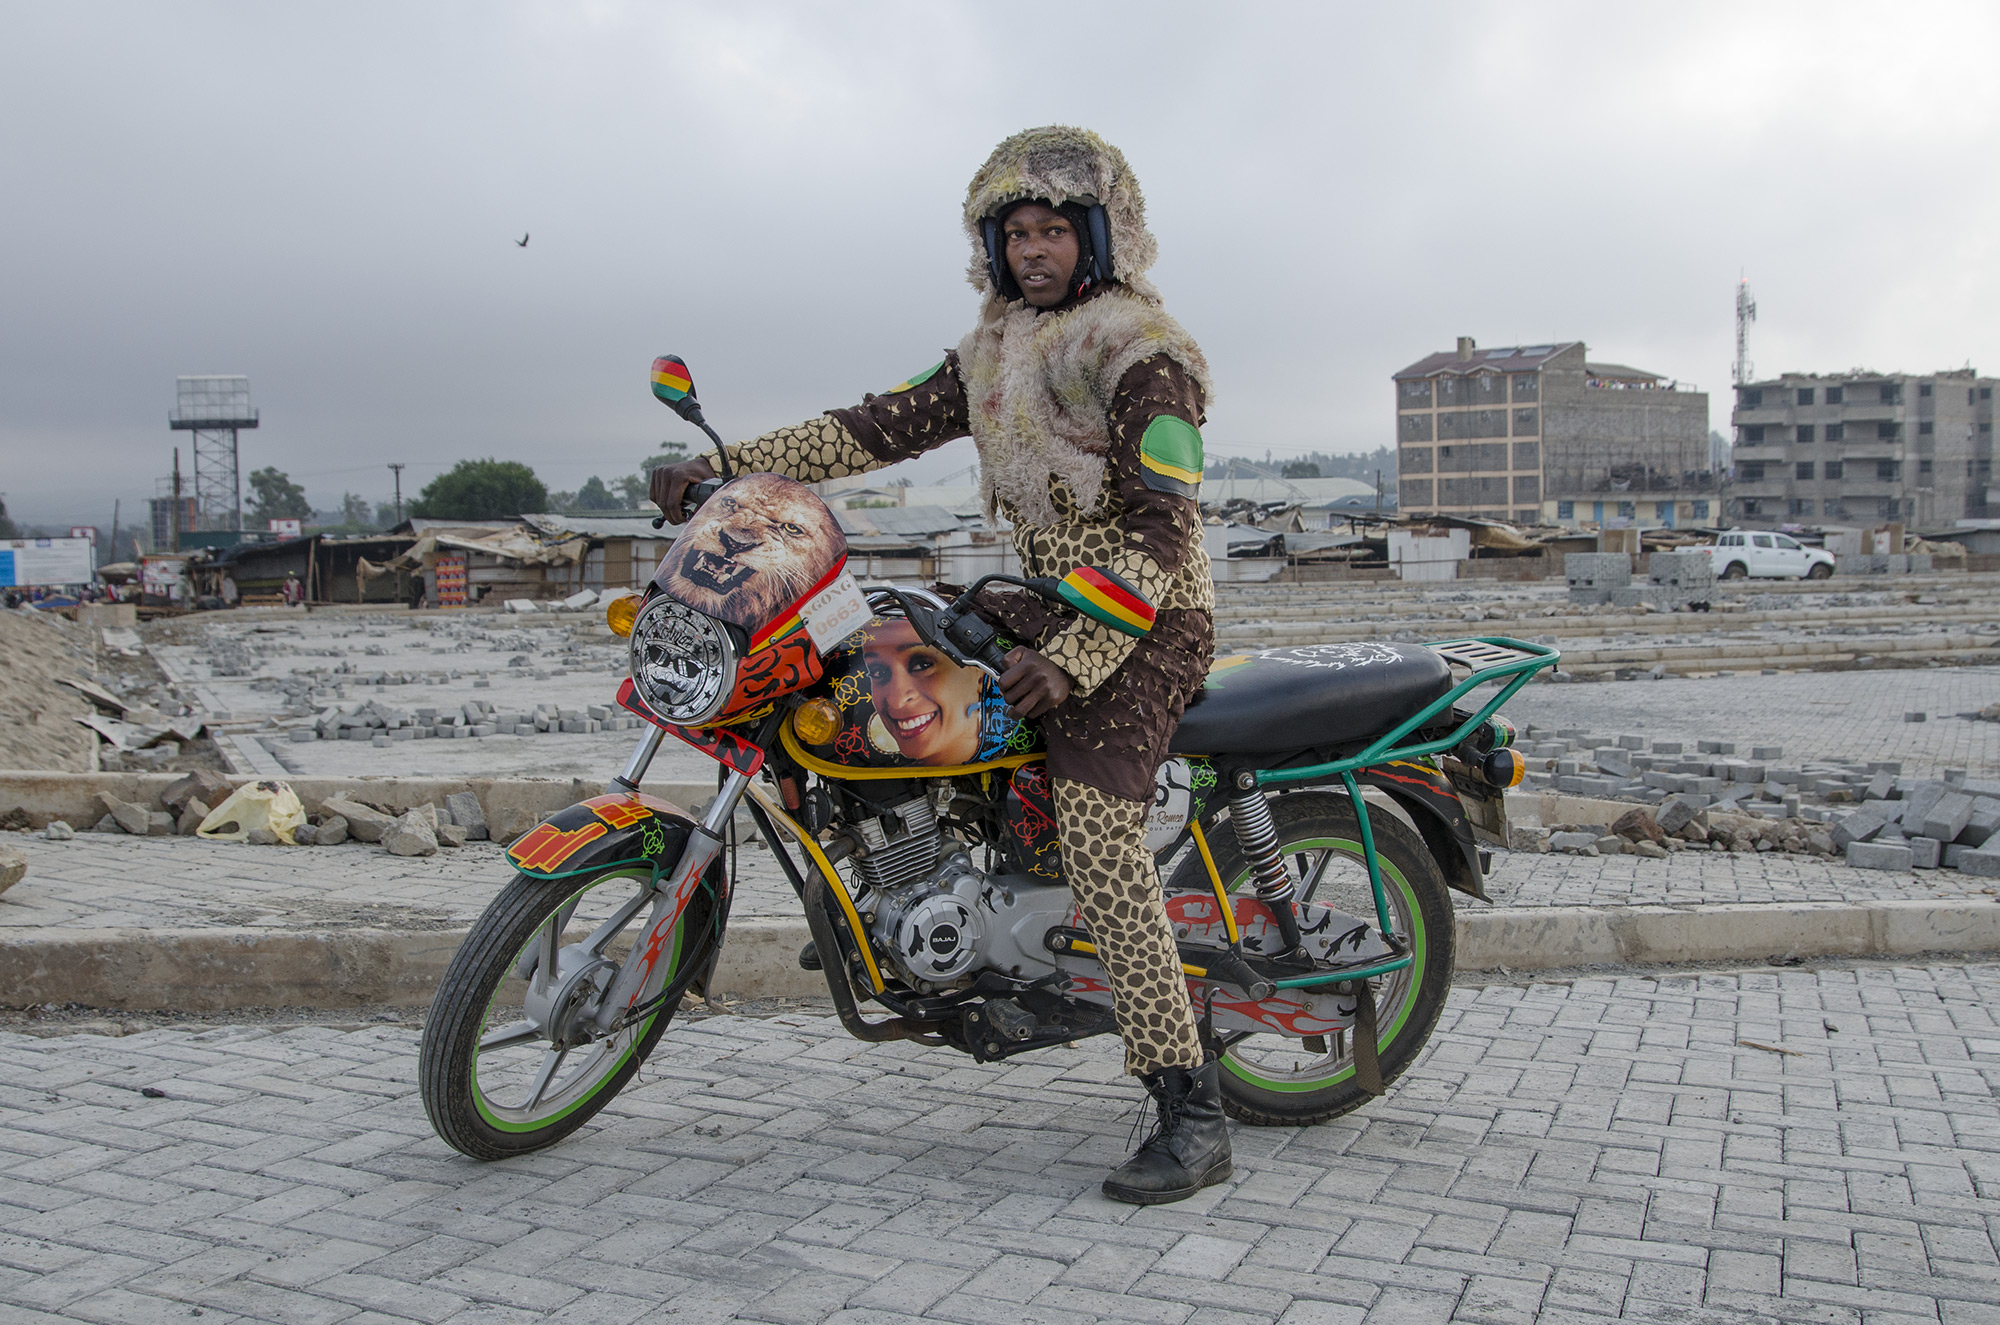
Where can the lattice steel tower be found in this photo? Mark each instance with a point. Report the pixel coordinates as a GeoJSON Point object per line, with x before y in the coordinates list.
{"type": "Point", "coordinates": [213, 409]}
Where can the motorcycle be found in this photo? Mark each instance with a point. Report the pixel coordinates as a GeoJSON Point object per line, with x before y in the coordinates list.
{"type": "Point", "coordinates": [1319, 805]}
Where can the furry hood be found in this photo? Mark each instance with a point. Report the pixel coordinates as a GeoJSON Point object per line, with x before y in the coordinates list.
{"type": "Point", "coordinates": [1062, 164]}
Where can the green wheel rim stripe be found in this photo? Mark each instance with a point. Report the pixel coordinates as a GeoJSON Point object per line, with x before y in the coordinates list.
{"type": "Point", "coordinates": [631, 1045]}
{"type": "Point", "coordinates": [1419, 951]}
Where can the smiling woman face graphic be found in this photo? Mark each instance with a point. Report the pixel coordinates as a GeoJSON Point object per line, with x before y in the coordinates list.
{"type": "Point", "coordinates": [928, 704]}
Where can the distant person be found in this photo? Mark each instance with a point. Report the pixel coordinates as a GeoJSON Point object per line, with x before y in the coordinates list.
{"type": "Point", "coordinates": [230, 594]}
{"type": "Point", "coordinates": [295, 593]}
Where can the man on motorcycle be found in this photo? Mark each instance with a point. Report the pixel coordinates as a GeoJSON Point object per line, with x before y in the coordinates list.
{"type": "Point", "coordinates": [1085, 400]}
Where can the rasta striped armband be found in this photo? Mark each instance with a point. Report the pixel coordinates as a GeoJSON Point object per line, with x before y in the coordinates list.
{"type": "Point", "coordinates": [1106, 596]}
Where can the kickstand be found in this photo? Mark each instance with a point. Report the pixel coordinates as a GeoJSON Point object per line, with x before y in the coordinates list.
{"type": "Point", "coordinates": [1205, 1029]}
{"type": "Point", "coordinates": [1367, 1066]}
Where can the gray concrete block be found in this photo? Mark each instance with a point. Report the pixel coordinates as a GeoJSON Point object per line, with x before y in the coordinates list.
{"type": "Point", "coordinates": [1597, 570]}
{"type": "Point", "coordinates": [1630, 595]}
{"type": "Point", "coordinates": [1716, 747]}
{"type": "Point", "coordinates": [1981, 824]}
{"type": "Point", "coordinates": [1918, 800]}
{"type": "Point", "coordinates": [1666, 747]}
{"type": "Point", "coordinates": [1924, 852]}
{"type": "Point", "coordinates": [1765, 752]}
{"type": "Point", "coordinates": [1982, 864]}
{"type": "Point", "coordinates": [1946, 819]}
{"type": "Point", "coordinates": [1878, 856]}
{"type": "Point", "coordinates": [1859, 826]}
{"type": "Point", "coordinates": [1614, 761]}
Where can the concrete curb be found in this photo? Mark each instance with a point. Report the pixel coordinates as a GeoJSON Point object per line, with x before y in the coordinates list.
{"type": "Point", "coordinates": [210, 970]}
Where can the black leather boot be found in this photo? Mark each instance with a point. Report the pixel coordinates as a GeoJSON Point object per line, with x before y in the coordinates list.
{"type": "Point", "coordinates": [1188, 1151]}
{"type": "Point", "coordinates": [809, 957]}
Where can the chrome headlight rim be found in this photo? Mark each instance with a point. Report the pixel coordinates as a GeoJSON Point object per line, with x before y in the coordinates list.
{"type": "Point", "coordinates": [682, 662]}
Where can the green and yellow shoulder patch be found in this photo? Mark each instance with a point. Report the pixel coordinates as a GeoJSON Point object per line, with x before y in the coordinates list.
{"type": "Point", "coordinates": [917, 380]}
{"type": "Point", "coordinates": [1170, 456]}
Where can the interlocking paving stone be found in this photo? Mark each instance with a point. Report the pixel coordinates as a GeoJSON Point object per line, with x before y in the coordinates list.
{"type": "Point", "coordinates": [1607, 1148]}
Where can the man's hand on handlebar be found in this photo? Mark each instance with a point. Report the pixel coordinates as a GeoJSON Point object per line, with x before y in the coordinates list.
{"type": "Point", "coordinates": [1032, 684]}
{"type": "Point", "coordinates": [671, 482]}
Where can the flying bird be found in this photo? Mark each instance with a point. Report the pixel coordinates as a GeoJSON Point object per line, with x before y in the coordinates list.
{"type": "Point", "coordinates": [522, 242]}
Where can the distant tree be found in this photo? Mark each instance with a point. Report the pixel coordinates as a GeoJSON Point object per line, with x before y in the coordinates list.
{"type": "Point", "coordinates": [8, 529]}
{"type": "Point", "coordinates": [594, 496]}
{"type": "Point", "coordinates": [1300, 469]}
{"type": "Point", "coordinates": [354, 510]}
{"type": "Point", "coordinates": [385, 515]}
{"type": "Point", "coordinates": [634, 488]}
{"type": "Point", "coordinates": [276, 497]}
{"type": "Point", "coordinates": [482, 490]}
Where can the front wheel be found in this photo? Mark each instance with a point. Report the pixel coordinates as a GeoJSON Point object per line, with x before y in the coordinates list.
{"type": "Point", "coordinates": [1287, 1081]}
{"type": "Point", "coordinates": [508, 1064]}
{"type": "Point", "coordinates": [1737, 571]}
{"type": "Point", "coordinates": [1821, 571]}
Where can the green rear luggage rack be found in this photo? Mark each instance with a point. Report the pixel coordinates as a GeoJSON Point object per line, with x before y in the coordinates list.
{"type": "Point", "coordinates": [1488, 658]}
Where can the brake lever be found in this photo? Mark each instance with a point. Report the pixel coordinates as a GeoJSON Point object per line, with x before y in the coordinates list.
{"type": "Point", "coordinates": [693, 498]}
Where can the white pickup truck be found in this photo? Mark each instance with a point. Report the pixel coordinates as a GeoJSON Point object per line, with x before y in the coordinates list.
{"type": "Point", "coordinates": [1767, 555]}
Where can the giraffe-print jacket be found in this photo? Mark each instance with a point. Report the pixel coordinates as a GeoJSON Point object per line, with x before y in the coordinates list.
{"type": "Point", "coordinates": [1147, 526]}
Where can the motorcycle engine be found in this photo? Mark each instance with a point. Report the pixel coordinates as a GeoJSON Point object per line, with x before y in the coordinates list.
{"type": "Point", "coordinates": [931, 928]}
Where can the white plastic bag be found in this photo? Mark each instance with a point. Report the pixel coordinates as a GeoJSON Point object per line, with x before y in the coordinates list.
{"type": "Point", "coordinates": [271, 805]}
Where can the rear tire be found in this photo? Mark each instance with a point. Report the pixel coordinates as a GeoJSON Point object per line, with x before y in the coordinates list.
{"type": "Point", "coordinates": [1279, 1081]}
{"type": "Point", "coordinates": [477, 1108]}
{"type": "Point", "coordinates": [1822, 571]}
{"type": "Point", "coordinates": [1736, 571]}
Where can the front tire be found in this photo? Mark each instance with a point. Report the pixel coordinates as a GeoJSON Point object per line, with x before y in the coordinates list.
{"type": "Point", "coordinates": [1737, 571]}
{"type": "Point", "coordinates": [493, 1084]}
{"type": "Point", "coordinates": [1284, 1081]}
{"type": "Point", "coordinates": [1821, 571]}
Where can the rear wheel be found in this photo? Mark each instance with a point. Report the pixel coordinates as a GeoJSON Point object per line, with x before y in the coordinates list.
{"type": "Point", "coordinates": [493, 1080]}
{"type": "Point", "coordinates": [1736, 571]}
{"type": "Point", "coordinates": [1279, 1080]}
{"type": "Point", "coordinates": [1820, 571]}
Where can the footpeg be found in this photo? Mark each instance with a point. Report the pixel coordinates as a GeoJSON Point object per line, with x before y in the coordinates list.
{"type": "Point", "coordinates": [1004, 1019]}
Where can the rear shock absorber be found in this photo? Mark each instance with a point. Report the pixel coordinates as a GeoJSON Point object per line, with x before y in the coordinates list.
{"type": "Point", "coordinates": [1257, 835]}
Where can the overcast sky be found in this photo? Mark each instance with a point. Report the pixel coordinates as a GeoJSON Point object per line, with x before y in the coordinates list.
{"type": "Point", "coordinates": [326, 198]}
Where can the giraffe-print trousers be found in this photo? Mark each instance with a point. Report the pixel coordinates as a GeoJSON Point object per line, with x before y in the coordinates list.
{"type": "Point", "coordinates": [1117, 890]}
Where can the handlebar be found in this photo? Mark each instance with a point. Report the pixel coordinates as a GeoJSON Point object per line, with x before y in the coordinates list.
{"type": "Point", "coordinates": [692, 499]}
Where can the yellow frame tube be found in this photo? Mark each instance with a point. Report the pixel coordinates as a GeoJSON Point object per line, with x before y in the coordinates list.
{"type": "Point", "coordinates": [1215, 881]}
{"type": "Point", "coordinates": [777, 812]}
{"type": "Point", "coordinates": [846, 774]}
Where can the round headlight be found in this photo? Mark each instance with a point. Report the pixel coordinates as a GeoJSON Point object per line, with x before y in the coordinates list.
{"type": "Point", "coordinates": [683, 663]}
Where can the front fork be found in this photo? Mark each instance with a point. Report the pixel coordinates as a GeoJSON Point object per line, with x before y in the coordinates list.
{"type": "Point", "coordinates": [643, 974]}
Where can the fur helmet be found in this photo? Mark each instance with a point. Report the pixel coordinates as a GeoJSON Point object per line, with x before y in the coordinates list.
{"type": "Point", "coordinates": [1058, 164]}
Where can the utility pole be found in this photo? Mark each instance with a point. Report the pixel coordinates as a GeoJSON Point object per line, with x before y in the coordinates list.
{"type": "Point", "coordinates": [112, 552]}
{"type": "Point", "coordinates": [397, 466]}
{"type": "Point", "coordinates": [177, 499]}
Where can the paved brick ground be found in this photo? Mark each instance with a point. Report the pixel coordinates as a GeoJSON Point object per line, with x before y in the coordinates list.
{"type": "Point", "coordinates": [1608, 1149]}
{"type": "Point", "coordinates": [102, 881]}
{"type": "Point", "coordinates": [1835, 716]}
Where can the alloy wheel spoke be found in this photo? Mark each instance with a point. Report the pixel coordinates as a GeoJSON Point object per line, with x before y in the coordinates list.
{"type": "Point", "coordinates": [551, 1060]}
{"type": "Point", "coordinates": [506, 1037]}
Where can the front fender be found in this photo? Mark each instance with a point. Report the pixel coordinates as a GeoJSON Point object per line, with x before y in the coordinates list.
{"type": "Point", "coordinates": [604, 830]}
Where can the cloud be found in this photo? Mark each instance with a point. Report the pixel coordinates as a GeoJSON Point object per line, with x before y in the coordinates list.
{"type": "Point", "coordinates": [327, 200]}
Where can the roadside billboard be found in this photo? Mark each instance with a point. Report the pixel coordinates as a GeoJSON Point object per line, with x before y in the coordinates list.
{"type": "Point", "coordinates": [25, 562]}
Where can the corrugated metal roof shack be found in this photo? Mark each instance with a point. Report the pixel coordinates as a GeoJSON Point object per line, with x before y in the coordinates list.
{"type": "Point", "coordinates": [333, 570]}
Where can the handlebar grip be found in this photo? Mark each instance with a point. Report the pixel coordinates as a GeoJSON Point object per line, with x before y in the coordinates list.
{"type": "Point", "coordinates": [692, 499]}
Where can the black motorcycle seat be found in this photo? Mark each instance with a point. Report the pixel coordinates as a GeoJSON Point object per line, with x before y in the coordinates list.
{"type": "Point", "coordinates": [1279, 700]}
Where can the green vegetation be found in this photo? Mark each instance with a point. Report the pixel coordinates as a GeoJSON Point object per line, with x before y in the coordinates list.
{"type": "Point", "coordinates": [482, 490]}
{"type": "Point", "coordinates": [275, 497]}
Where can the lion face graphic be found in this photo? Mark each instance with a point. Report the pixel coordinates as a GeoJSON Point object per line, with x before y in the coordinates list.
{"type": "Point", "coordinates": [753, 551]}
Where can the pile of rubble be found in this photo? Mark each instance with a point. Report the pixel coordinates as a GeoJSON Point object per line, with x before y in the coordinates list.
{"type": "Point", "coordinates": [183, 805]}
{"type": "Point", "coordinates": [1678, 826]}
{"type": "Point", "coordinates": [1780, 807]}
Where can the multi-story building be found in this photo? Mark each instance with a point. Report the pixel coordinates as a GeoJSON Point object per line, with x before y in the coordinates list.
{"type": "Point", "coordinates": [1522, 432]}
{"type": "Point", "coordinates": [1861, 447]}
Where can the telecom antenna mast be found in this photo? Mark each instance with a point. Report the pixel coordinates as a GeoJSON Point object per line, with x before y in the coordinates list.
{"type": "Point", "coordinates": [1746, 313]}
{"type": "Point", "coordinates": [213, 409]}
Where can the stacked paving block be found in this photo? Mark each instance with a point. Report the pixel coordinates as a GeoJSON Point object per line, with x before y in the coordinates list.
{"type": "Point", "coordinates": [1597, 577]}
{"type": "Point", "coordinates": [1677, 581]}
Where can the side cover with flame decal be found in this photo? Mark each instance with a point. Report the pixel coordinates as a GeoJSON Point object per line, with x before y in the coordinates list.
{"type": "Point", "coordinates": [601, 831]}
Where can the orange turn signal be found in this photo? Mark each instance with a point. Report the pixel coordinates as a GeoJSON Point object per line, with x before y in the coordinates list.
{"type": "Point", "coordinates": [816, 721]}
{"type": "Point", "coordinates": [621, 612]}
{"type": "Point", "coordinates": [1503, 768]}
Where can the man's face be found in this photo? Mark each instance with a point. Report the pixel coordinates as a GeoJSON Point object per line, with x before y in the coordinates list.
{"type": "Point", "coordinates": [1042, 252]}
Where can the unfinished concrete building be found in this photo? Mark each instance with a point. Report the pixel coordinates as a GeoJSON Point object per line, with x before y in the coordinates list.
{"type": "Point", "coordinates": [1860, 447]}
{"type": "Point", "coordinates": [1524, 432]}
